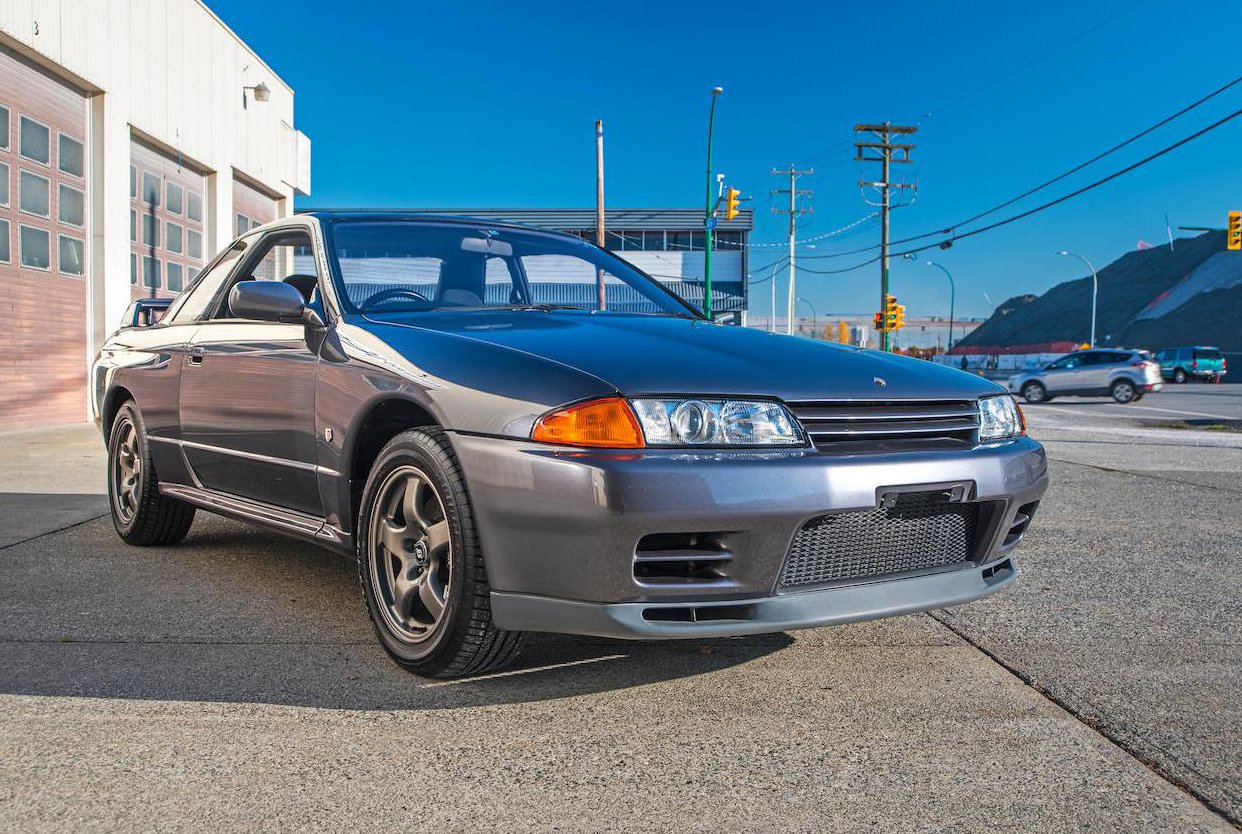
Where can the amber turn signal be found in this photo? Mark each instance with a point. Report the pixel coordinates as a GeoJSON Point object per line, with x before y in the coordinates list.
{"type": "Point", "coordinates": [608, 423]}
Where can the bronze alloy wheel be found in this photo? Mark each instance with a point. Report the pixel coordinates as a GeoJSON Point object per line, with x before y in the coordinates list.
{"type": "Point", "coordinates": [410, 554]}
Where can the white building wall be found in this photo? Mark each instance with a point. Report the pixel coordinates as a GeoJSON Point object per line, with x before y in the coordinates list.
{"type": "Point", "coordinates": [172, 73]}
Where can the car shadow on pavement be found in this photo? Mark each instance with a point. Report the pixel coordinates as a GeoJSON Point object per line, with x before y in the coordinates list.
{"type": "Point", "coordinates": [238, 614]}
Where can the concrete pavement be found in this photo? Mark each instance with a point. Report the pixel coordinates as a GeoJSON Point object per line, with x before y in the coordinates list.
{"type": "Point", "coordinates": [232, 683]}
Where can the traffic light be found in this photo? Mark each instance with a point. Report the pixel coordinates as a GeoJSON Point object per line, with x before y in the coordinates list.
{"type": "Point", "coordinates": [878, 321]}
{"type": "Point", "coordinates": [894, 313]}
{"type": "Point", "coordinates": [1233, 232]}
{"type": "Point", "coordinates": [731, 199]}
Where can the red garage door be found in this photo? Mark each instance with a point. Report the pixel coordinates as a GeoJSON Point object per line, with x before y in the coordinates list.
{"type": "Point", "coordinates": [43, 247]}
{"type": "Point", "coordinates": [166, 212]}
{"type": "Point", "coordinates": [251, 207]}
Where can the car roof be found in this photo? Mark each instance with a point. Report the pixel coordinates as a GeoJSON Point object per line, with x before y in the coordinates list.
{"type": "Point", "coordinates": [419, 217]}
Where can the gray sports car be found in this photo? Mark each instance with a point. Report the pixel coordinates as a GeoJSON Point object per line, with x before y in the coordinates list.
{"type": "Point", "coordinates": [513, 430]}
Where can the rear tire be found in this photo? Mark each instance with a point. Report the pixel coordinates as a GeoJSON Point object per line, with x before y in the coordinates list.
{"type": "Point", "coordinates": [1034, 392]}
{"type": "Point", "coordinates": [140, 514]}
{"type": "Point", "coordinates": [420, 563]}
{"type": "Point", "coordinates": [1124, 391]}
{"type": "Point", "coordinates": [1179, 376]}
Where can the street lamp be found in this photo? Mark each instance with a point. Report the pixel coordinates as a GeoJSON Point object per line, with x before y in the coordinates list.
{"type": "Point", "coordinates": [707, 211]}
{"type": "Point", "coordinates": [814, 314]}
{"type": "Point", "coordinates": [952, 294]}
{"type": "Point", "coordinates": [1095, 288]}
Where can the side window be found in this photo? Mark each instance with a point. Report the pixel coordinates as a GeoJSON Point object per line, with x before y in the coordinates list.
{"type": "Point", "coordinates": [193, 304]}
{"type": "Point", "coordinates": [1065, 362]}
{"type": "Point", "coordinates": [278, 256]}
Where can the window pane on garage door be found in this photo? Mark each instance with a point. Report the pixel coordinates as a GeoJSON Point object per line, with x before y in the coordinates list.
{"type": "Point", "coordinates": [168, 210]}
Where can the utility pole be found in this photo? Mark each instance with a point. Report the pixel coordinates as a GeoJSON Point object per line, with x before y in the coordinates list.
{"type": "Point", "coordinates": [793, 211]}
{"type": "Point", "coordinates": [885, 152]}
{"type": "Point", "coordinates": [601, 296]}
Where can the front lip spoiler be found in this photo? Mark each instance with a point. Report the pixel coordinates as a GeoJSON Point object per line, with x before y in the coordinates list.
{"type": "Point", "coordinates": [764, 615]}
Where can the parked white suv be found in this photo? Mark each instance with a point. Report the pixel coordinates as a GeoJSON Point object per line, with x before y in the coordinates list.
{"type": "Point", "coordinates": [1125, 375]}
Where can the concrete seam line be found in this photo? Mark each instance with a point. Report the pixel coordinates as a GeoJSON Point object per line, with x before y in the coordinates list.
{"type": "Point", "coordinates": [1147, 475]}
{"type": "Point", "coordinates": [1103, 732]}
{"type": "Point", "coordinates": [53, 532]}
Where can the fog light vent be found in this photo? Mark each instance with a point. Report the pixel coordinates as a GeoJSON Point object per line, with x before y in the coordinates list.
{"type": "Point", "coordinates": [681, 558]}
{"type": "Point", "coordinates": [1021, 521]}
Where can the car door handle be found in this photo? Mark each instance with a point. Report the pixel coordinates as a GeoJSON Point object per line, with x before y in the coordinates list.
{"type": "Point", "coordinates": [196, 355]}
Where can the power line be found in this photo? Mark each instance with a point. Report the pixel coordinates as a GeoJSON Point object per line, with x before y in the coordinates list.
{"type": "Point", "coordinates": [1044, 206]}
{"type": "Point", "coordinates": [948, 230]}
{"type": "Point", "coordinates": [1001, 79]}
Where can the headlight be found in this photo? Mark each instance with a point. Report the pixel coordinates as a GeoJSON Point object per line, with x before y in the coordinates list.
{"type": "Point", "coordinates": [716, 423]}
{"type": "Point", "coordinates": [999, 418]}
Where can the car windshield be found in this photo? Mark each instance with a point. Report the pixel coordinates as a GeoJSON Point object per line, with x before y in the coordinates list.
{"type": "Point", "coordinates": [388, 266]}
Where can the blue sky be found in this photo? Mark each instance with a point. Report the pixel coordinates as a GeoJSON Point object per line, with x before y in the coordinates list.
{"type": "Point", "coordinates": [493, 104]}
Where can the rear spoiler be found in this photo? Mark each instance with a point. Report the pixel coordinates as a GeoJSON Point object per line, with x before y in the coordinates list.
{"type": "Point", "coordinates": [145, 312]}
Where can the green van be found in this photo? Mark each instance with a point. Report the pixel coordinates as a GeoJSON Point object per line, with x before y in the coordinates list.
{"type": "Point", "coordinates": [1183, 363]}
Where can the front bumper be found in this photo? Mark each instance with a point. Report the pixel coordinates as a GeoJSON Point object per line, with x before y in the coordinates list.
{"type": "Point", "coordinates": [560, 529]}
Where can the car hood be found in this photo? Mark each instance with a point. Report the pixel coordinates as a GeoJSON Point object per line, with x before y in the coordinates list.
{"type": "Point", "coordinates": [663, 355]}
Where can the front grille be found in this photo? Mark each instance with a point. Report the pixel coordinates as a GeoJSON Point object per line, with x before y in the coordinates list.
{"type": "Point", "coordinates": [843, 424]}
{"type": "Point", "coordinates": [920, 531]}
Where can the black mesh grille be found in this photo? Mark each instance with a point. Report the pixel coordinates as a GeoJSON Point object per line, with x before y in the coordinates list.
{"type": "Point", "coordinates": [922, 530]}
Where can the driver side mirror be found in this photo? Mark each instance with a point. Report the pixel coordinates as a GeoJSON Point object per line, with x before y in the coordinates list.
{"type": "Point", "coordinates": [267, 301]}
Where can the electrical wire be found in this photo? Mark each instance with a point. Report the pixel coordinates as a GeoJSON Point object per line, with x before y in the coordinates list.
{"type": "Point", "coordinates": [1043, 206]}
{"type": "Point", "coordinates": [949, 230]}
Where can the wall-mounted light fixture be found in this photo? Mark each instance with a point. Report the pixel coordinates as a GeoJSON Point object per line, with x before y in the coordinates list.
{"type": "Point", "coordinates": [261, 92]}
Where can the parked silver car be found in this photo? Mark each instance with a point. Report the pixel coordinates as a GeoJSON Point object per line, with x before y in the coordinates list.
{"type": "Point", "coordinates": [1125, 375]}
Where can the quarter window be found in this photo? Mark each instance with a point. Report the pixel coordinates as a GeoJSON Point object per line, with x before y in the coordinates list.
{"type": "Point", "coordinates": [5, 255]}
{"type": "Point", "coordinates": [35, 247]}
{"type": "Point", "coordinates": [191, 306]}
{"type": "Point", "coordinates": [70, 205]}
{"type": "Point", "coordinates": [35, 194]}
{"type": "Point", "coordinates": [35, 140]}
{"type": "Point", "coordinates": [71, 255]}
{"type": "Point", "coordinates": [70, 157]}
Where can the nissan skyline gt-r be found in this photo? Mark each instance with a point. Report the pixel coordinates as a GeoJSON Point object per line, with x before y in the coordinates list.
{"type": "Point", "coordinates": [515, 431]}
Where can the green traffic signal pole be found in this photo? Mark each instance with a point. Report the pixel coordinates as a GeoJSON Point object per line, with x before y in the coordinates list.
{"type": "Point", "coordinates": [952, 292]}
{"type": "Point", "coordinates": [708, 211]}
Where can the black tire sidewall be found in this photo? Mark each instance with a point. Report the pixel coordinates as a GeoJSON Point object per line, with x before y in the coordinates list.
{"type": "Point", "coordinates": [413, 448]}
{"type": "Point", "coordinates": [1117, 386]}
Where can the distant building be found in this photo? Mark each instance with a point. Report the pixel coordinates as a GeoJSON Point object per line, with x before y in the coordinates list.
{"type": "Point", "coordinates": [135, 140]}
{"type": "Point", "coordinates": [668, 244]}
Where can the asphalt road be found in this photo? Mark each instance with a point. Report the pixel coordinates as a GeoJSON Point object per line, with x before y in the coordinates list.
{"type": "Point", "coordinates": [232, 682]}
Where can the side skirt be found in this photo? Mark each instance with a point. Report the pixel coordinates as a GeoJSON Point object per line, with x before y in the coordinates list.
{"type": "Point", "coordinates": [290, 522]}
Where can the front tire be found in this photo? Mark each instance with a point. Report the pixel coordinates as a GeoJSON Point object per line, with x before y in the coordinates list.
{"type": "Point", "coordinates": [420, 564]}
{"type": "Point", "coordinates": [1033, 392]}
{"type": "Point", "coordinates": [1124, 391]}
{"type": "Point", "coordinates": [140, 514]}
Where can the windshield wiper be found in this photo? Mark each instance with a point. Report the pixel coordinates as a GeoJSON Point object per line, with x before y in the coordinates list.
{"type": "Point", "coordinates": [542, 308]}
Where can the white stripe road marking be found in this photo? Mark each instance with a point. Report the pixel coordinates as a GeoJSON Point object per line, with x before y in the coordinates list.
{"type": "Point", "coordinates": [1173, 411]}
{"type": "Point", "coordinates": [1064, 410]}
